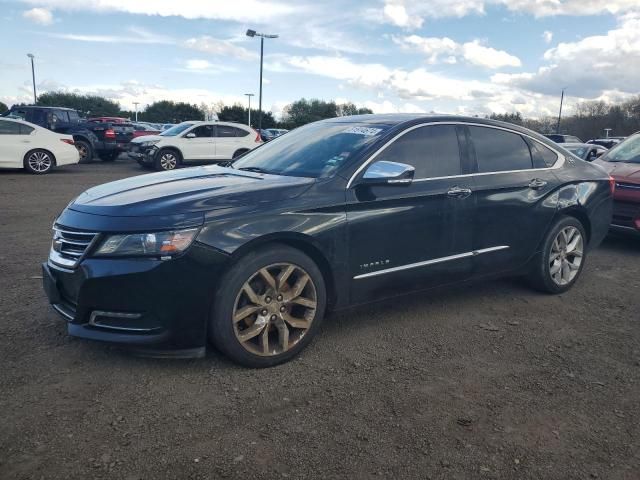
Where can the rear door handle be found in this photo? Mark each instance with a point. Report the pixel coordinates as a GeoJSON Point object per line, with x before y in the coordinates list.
{"type": "Point", "coordinates": [458, 192]}
{"type": "Point", "coordinates": [537, 184]}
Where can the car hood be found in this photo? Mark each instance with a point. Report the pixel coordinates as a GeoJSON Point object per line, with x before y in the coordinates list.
{"type": "Point", "coordinates": [146, 138]}
{"type": "Point", "coordinates": [187, 191]}
{"type": "Point", "coordinates": [624, 171]}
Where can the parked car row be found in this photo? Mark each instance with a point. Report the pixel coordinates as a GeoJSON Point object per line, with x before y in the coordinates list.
{"type": "Point", "coordinates": [194, 141]}
{"type": "Point", "coordinates": [269, 134]}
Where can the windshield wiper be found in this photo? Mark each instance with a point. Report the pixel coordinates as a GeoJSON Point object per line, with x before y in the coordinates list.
{"type": "Point", "coordinates": [254, 169]}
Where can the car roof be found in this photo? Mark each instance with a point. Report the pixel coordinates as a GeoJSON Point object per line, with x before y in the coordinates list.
{"type": "Point", "coordinates": [42, 108]}
{"type": "Point", "coordinates": [215, 122]}
{"type": "Point", "coordinates": [576, 144]}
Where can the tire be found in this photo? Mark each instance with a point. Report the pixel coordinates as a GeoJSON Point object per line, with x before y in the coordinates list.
{"type": "Point", "coordinates": [272, 310]}
{"type": "Point", "coordinates": [109, 156]}
{"type": "Point", "coordinates": [167, 159]}
{"type": "Point", "coordinates": [39, 162]}
{"type": "Point", "coordinates": [238, 153]}
{"type": "Point", "coordinates": [85, 150]}
{"type": "Point", "coordinates": [557, 253]}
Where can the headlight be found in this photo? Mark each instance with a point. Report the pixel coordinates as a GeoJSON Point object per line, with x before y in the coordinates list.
{"type": "Point", "coordinates": [157, 244]}
{"type": "Point", "coordinates": [149, 143]}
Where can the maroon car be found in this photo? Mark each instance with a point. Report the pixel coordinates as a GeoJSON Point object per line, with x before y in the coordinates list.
{"type": "Point", "coordinates": [623, 164]}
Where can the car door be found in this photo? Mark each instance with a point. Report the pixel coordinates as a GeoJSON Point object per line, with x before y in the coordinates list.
{"type": "Point", "coordinates": [514, 176]}
{"type": "Point", "coordinates": [409, 237]}
{"type": "Point", "coordinates": [14, 144]}
{"type": "Point", "coordinates": [198, 143]}
{"type": "Point", "coordinates": [227, 141]}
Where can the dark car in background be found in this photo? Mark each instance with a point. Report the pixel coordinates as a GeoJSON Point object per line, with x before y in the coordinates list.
{"type": "Point", "coordinates": [585, 151]}
{"type": "Point", "coordinates": [333, 214]}
{"type": "Point", "coordinates": [623, 164]}
{"type": "Point", "coordinates": [557, 138]}
{"type": "Point", "coordinates": [266, 135]}
{"type": "Point", "coordinates": [92, 138]}
{"type": "Point", "coordinates": [605, 142]}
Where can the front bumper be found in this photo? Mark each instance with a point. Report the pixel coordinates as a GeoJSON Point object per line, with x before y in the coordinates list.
{"type": "Point", "coordinates": [159, 308]}
{"type": "Point", "coordinates": [143, 155]}
{"type": "Point", "coordinates": [626, 217]}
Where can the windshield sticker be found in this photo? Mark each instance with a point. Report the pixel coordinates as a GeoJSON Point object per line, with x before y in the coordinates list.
{"type": "Point", "coordinates": [366, 131]}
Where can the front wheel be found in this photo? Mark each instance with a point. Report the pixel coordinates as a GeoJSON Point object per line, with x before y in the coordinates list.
{"type": "Point", "coordinates": [562, 259]}
{"type": "Point", "coordinates": [167, 160]}
{"type": "Point", "coordinates": [268, 307]}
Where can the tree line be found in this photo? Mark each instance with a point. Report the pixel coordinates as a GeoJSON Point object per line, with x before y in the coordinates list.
{"type": "Point", "coordinates": [589, 120]}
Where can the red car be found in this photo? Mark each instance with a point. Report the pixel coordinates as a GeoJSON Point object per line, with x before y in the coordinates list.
{"type": "Point", "coordinates": [108, 119]}
{"type": "Point", "coordinates": [623, 163]}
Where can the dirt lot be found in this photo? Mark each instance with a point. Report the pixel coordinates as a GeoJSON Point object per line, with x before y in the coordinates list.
{"type": "Point", "coordinates": [483, 381]}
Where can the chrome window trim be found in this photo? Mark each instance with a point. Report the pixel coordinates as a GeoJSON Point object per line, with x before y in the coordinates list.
{"type": "Point", "coordinates": [559, 162]}
{"type": "Point", "coordinates": [431, 262]}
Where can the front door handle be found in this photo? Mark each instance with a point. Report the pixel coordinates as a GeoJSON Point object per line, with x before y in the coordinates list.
{"type": "Point", "coordinates": [458, 192]}
{"type": "Point", "coordinates": [537, 184]}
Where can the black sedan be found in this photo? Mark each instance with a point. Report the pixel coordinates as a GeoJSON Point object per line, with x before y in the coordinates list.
{"type": "Point", "coordinates": [585, 151]}
{"type": "Point", "coordinates": [333, 214]}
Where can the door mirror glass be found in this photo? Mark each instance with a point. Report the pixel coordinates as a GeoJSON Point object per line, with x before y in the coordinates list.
{"type": "Point", "coordinates": [190, 135]}
{"type": "Point", "coordinates": [388, 173]}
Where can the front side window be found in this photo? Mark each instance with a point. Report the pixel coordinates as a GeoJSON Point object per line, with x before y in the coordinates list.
{"type": "Point", "coordinates": [432, 150]}
{"type": "Point", "coordinates": [499, 150]}
{"type": "Point", "coordinates": [9, 128]}
{"type": "Point", "coordinates": [203, 131]}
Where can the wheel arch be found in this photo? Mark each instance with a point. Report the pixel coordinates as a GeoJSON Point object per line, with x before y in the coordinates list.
{"type": "Point", "coordinates": [580, 215]}
{"type": "Point", "coordinates": [173, 148]}
{"type": "Point", "coordinates": [306, 245]}
{"type": "Point", "coordinates": [30, 151]}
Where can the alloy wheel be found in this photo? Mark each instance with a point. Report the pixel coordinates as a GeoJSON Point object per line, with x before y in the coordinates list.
{"type": "Point", "coordinates": [274, 309]}
{"type": "Point", "coordinates": [82, 151]}
{"type": "Point", "coordinates": [168, 161]}
{"type": "Point", "coordinates": [40, 161]}
{"type": "Point", "coordinates": [566, 255]}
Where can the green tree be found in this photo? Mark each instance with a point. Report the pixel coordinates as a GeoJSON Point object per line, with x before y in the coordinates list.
{"type": "Point", "coordinates": [166, 111]}
{"type": "Point", "coordinates": [3, 107]}
{"type": "Point", "coordinates": [305, 111]}
{"type": "Point", "coordinates": [238, 113]}
{"type": "Point", "coordinates": [90, 105]}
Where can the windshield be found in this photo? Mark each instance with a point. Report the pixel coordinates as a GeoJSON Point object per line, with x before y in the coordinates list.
{"type": "Point", "coordinates": [627, 151]}
{"type": "Point", "coordinates": [315, 150]}
{"type": "Point", "coordinates": [578, 151]}
{"type": "Point", "coordinates": [177, 130]}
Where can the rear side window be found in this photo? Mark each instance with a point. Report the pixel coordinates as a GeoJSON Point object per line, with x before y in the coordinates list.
{"type": "Point", "coordinates": [26, 129]}
{"type": "Point", "coordinates": [432, 150]}
{"type": "Point", "coordinates": [499, 150]}
{"type": "Point", "coordinates": [241, 132]}
{"type": "Point", "coordinates": [543, 156]}
{"type": "Point", "coordinates": [225, 131]}
{"type": "Point", "coordinates": [9, 128]}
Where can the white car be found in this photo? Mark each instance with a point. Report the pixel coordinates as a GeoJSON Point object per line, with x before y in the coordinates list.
{"type": "Point", "coordinates": [36, 149]}
{"type": "Point", "coordinates": [194, 141]}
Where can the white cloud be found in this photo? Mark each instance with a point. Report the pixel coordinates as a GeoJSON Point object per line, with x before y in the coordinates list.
{"type": "Point", "coordinates": [216, 46]}
{"type": "Point", "coordinates": [447, 50]}
{"type": "Point", "coordinates": [197, 64]}
{"type": "Point", "coordinates": [545, 8]}
{"type": "Point", "coordinates": [397, 14]}
{"type": "Point", "coordinates": [41, 16]}
{"type": "Point", "coordinates": [133, 35]}
{"type": "Point", "coordinates": [547, 36]}
{"type": "Point", "coordinates": [389, 107]}
{"type": "Point", "coordinates": [613, 64]}
{"type": "Point", "coordinates": [236, 10]}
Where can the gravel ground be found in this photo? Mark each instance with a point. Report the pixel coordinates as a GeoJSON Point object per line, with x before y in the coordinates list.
{"type": "Point", "coordinates": [488, 381]}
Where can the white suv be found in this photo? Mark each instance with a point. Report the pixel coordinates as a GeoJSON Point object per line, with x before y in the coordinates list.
{"type": "Point", "coordinates": [194, 142]}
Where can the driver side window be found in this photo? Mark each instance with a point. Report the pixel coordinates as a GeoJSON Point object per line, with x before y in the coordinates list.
{"type": "Point", "coordinates": [203, 131]}
{"type": "Point", "coordinates": [432, 150]}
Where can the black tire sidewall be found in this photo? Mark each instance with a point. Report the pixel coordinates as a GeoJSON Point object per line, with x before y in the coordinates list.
{"type": "Point", "coordinates": [28, 168]}
{"type": "Point", "coordinates": [541, 275]}
{"type": "Point", "coordinates": [220, 329]}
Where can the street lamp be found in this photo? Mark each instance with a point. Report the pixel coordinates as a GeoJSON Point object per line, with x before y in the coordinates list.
{"type": "Point", "coordinates": [560, 112]}
{"type": "Point", "coordinates": [249, 95]}
{"type": "Point", "coordinates": [33, 76]}
{"type": "Point", "coordinates": [606, 132]}
{"type": "Point", "coordinates": [136, 105]}
{"type": "Point", "coordinates": [253, 33]}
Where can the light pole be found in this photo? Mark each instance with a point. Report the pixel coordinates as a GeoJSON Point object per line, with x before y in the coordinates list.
{"type": "Point", "coordinates": [33, 76]}
{"type": "Point", "coordinates": [136, 105]}
{"type": "Point", "coordinates": [253, 33]}
{"type": "Point", "coordinates": [606, 132]}
{"type": "Point", "coordinates": [249, 95]}
{"type": "Point", "coordinates": [560, 112]}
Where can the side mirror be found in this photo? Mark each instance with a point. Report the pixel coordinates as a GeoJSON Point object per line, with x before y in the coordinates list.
{"type": "Point", "coordinates": [388, 173]}
{"type": "Point", "coordinates": [190, 135]}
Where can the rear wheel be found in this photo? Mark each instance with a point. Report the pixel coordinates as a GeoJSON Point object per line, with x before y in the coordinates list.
{"type": "Point", "coordinates": [563, 256]}
{"type": "Point", "coordinates": [85, 150]}
{"type": "Point", "coordinates": [167, 160]}
{"type": "Point", "coordinates": [39, 162]}
{"type": "Point", "coordinates": [268, 307]}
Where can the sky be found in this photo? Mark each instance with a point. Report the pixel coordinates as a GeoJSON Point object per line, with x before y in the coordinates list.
{"type": "Point", "coordinates": [448, 56]}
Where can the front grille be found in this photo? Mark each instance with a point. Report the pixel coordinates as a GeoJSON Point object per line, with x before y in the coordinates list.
{"type": "Point", "coordinates": [625, 214]}
{"type": "Point", "coordinates": [69, 246]}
